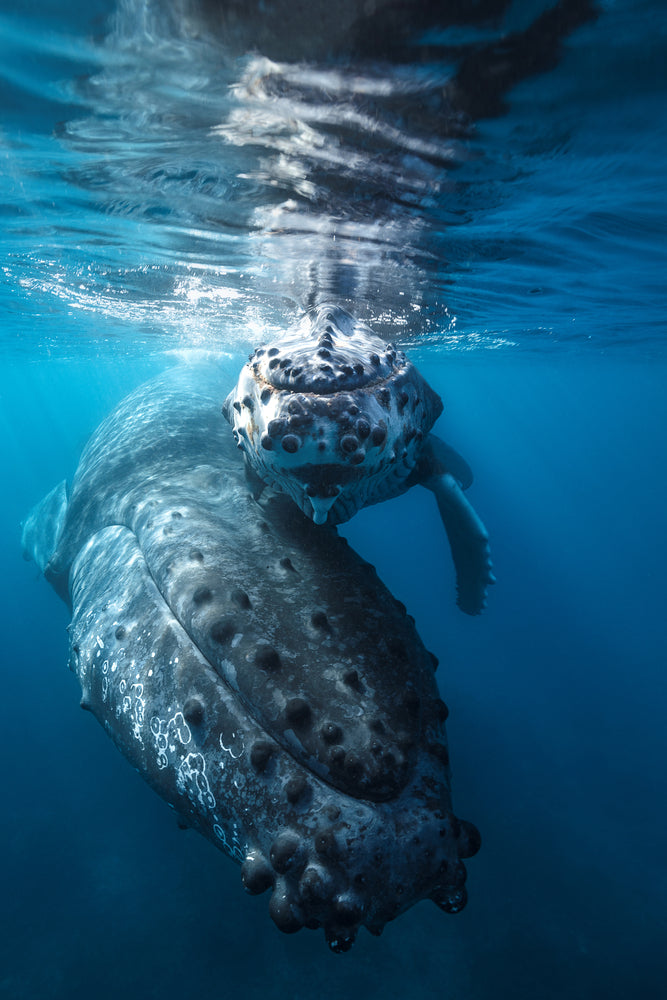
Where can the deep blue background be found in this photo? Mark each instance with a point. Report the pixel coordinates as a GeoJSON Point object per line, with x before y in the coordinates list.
{"type": "Point", "coordinates": [557, 693]}
{"type": "Point", "coordinates": [557, 696]}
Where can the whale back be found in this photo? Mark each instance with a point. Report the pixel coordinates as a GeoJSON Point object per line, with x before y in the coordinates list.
{"type": "Point", "coordinates": [256, 671]}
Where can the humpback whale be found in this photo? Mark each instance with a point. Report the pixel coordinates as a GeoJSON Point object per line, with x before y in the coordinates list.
{"type": "Point", "coordinates": [244, 659]}
{"type": "Point", "coordinates": [338, 419]}
{"type": "Point", "coordinates": [253, 668]}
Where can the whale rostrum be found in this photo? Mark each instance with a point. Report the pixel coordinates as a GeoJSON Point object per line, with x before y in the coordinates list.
{"type": "Point", "coordinates": [253, 668]}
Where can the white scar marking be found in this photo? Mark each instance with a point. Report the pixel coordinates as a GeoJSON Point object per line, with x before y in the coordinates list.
{"type": "Point", "coordinates": [167, 733]}
{"type": "Point", "coordinates": [239, 738]}
{"type": "Point", "coordinates": [191, 780]}
{"type": "Point", "coordinates": [234, 848]}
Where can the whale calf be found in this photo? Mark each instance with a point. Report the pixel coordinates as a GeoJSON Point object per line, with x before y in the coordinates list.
{"type": "Point", "coordinates": [338, 419]}
{"type": "Point", "coordinates": [253, 668]}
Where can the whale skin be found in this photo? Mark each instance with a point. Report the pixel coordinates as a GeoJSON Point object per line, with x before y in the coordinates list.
{"type": "Point", "coordinates": [253, 668]}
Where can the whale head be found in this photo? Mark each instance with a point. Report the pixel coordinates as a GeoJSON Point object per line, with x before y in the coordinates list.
{"type": "Point", "coordinates": [332, 415]}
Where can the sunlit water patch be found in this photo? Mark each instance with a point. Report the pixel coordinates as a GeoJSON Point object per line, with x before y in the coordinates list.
{"type": "Point", "coordinates": [160, 188]}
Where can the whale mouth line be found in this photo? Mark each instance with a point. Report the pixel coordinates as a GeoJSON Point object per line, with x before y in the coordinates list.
{"type": "Point", "coordinates": [323, 476]}
{"type": "Point", "coordinates": [321, 487]}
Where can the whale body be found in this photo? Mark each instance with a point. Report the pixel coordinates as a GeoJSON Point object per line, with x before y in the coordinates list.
{"type": "Point", "coordinates": [253, 668]}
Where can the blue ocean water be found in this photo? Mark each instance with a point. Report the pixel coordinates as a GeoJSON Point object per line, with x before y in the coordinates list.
{"type": "Point", "coordinates": [161, 200]}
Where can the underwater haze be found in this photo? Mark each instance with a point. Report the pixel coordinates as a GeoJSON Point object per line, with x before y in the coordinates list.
{"type": "Point", "coordinates": [167, 195]}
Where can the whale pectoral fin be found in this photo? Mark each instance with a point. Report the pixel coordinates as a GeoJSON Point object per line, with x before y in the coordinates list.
{"type": "Point", "coordinates": [468, 540]}
{"type": "Point", "coordinates": [437, 458]}
{"type": "Point", "coordinates": [44, 525]}
{"type": "Point", "coordinates": [443, 471]}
